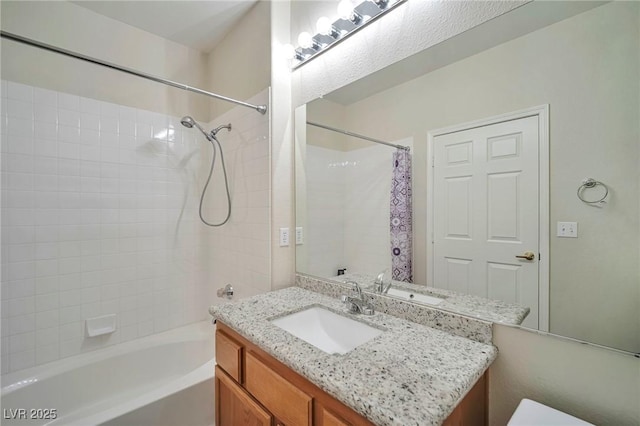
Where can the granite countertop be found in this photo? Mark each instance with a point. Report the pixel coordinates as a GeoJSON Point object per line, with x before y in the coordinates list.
{"type": "Point", "coordinates": [466, 304]}
{"type": "Point", "coordinates": [409, 375]}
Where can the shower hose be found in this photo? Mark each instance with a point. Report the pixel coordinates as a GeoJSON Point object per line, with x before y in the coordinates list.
{"type": "Point", "coordinates": [206, 185]}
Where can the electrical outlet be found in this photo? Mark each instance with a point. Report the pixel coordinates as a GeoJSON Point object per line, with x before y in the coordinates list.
{"type": "Point", "coordinates": [299, 235]}
{"type": "Point", "coordinates": [284, 237]}
{"type": "Point", "coordinates": [567, 229]}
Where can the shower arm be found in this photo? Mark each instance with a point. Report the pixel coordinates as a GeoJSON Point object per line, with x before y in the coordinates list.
{"type": "Point", "coordinates": [262, 109]}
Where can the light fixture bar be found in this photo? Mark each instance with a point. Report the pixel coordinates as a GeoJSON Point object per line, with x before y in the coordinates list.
{"type": "Point", "coordinates": [345, 28]}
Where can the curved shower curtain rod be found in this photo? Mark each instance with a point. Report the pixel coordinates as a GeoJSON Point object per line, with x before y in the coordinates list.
{"type": "Point", "coordinates": [262, 109]}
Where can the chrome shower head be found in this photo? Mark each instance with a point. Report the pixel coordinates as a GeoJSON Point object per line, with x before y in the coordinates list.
{"type": "Point", "coordinates": [189, 122]}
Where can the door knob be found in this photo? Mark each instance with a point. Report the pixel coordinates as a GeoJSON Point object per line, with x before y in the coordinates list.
{"type": "Point", "coordinates": [529, 255]}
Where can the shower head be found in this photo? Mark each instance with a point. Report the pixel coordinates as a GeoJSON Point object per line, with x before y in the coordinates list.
{"type": "Point", "coordinates": [189, 122]}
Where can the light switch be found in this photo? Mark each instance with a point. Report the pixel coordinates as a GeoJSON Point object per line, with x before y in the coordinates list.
{"type": "Point", "coordinates": [284, 237]}
{"type": "Point", "coordinates": [299, 235]}
{"type": "Point", "coordinates": [567, 229]}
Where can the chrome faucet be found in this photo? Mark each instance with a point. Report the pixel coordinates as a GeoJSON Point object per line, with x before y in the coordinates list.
{"type": "Point", "coordinates": [378, 284]}
{"type": "Point", "coordinates": [357, 305]}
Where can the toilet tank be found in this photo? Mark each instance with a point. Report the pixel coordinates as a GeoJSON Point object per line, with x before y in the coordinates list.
{"type": "Point", "coordinates": [532, 413]}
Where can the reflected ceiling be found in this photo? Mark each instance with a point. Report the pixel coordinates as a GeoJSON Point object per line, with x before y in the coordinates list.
{"type": "Point", "coordinates": [523, 20]}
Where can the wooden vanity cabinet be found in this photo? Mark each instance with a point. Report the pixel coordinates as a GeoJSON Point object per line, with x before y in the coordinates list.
{"type": "Point", "coordinates": [253, 388]}
{"type": "Point", "coordinates": [234, 406]}
{"type": "Point", "coordinates": [287, 402]}
{"type": "Point", "coordinates": [472, 410]}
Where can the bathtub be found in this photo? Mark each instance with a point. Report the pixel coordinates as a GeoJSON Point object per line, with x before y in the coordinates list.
{"type": "Point", "coordinates": [163, 379]}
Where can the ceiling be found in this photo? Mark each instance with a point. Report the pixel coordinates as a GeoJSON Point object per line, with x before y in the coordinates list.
{"type": "Point", "coordinates": [197, 24]}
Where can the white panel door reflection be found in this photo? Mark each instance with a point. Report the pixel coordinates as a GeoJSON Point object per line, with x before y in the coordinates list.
{"type": "Point", "coordinates": [485, 212]}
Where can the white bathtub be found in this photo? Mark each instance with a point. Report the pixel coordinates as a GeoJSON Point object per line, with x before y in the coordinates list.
{"type": "Point", "coordinates": [163, 379]}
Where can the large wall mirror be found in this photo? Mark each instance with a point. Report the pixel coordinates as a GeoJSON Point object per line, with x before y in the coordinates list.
{"type": "Point", "coordinates": [563, 77]}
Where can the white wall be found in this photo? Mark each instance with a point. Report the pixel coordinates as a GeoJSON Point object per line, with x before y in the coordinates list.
{"type": "Point", "coordinates": [598, 385]}
{"type": "Point", "coordinates": [388, 43]}
{"type": "Point", "coordinates": [239, 66]}
{"type": "Point", "coordinates": [323, 111]}
{"type": "Point", "coordinates": [282, 168]}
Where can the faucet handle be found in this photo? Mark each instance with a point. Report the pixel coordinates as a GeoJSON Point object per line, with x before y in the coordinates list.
{"type": "Point", "coordinates": [356, 287]}
{"type": "Point", "coordinates": [227, 291]}
{"type": "Point", "coordinates": [379, 281]}
{"type": "Point", "coordinates": [367, 310]}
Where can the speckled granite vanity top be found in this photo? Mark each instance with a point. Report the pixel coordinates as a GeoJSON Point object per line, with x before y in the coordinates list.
{"type": "Point", "coordinates": [465, 304]}
{"type": "Point", "coordinates": [409, 375]}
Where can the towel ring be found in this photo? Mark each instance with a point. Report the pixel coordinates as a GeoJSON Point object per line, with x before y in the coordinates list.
{"type": "Point", "coordinates": [589, 183]}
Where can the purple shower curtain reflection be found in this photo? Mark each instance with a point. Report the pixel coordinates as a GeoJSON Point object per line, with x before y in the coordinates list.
{"type": "Point", "coordinates": [401, 217]}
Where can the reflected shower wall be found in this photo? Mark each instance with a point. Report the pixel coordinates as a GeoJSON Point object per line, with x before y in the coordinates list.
{"type": "Point", "coordinates": [348, 209]}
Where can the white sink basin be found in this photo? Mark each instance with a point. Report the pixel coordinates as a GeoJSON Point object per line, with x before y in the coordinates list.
{"type": "Point", "coordinates": [414, 297]}
{"type": "Point", "coordinates": [326, 330]}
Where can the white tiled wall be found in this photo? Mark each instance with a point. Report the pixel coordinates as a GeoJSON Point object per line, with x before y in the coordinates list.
{"type": "Point", "coordinates": [348, 209]}
{"type": "Point", "coordinates": [99, 215]}
{"type": "Point", "coordinates": [240, 250]}
{"type": "Point", "coordinates": [367, 195]}
{"type": "Point", "coordinates": [326, 170]}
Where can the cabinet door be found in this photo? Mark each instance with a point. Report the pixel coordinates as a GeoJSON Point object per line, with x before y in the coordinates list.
{"type": "Point", "coordinates": [234, 406]}
{"type": "Point", "coordinates": [327, 418]}
{"type": "Point", "coordinates": [229, 355]}
{"type": "Point", "coordinates": [285, 400]}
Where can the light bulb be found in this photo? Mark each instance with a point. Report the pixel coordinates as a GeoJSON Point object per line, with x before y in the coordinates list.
{"type": "Point", "coordinates": [345, 9]}
{"type": "Point", "coordinates": [305, 40]}
{"type": "Point", "coordinates": [289, 51]}
{"type": "Point", "coordinates": [323, 26]}
{"type": "Point", "coordinates": [382, 4]}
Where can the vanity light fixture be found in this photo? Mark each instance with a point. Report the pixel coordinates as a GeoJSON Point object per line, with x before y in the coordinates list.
{"type": "Point", "coordinates": [353, 15]}
{"type": "Point", "coordinates": [325, 27]}
{"type": "Point", "coordinates": [347, 12]}
{"type": "Point", "coordinates": [306, 41]}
